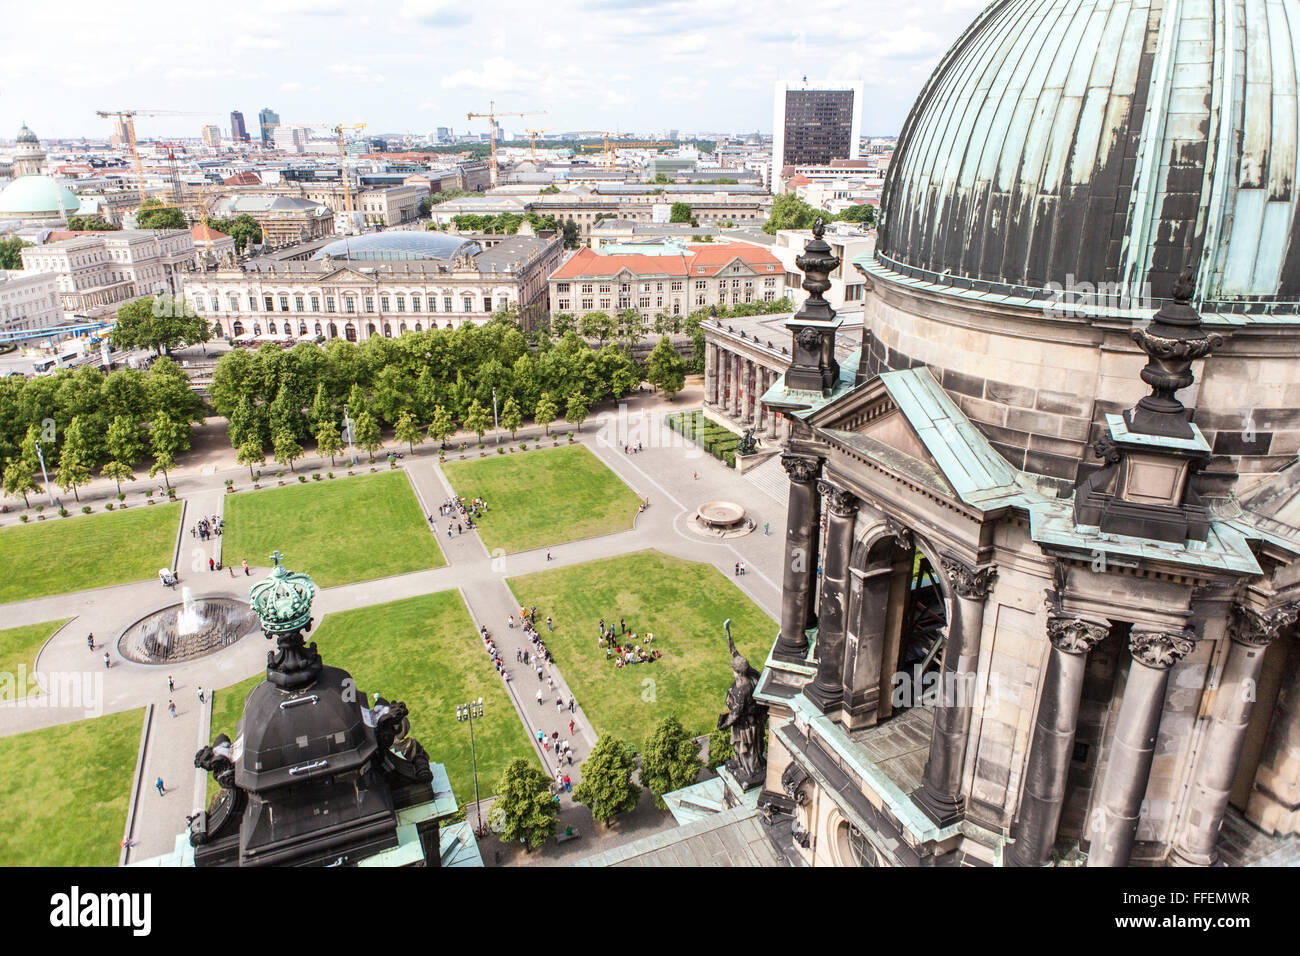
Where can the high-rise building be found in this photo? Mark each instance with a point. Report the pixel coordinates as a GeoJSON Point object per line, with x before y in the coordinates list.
{"type": "Point", "coordinates": [268, 119]}
{"type": "Point", "coordinates": [211, 135]}
{"type": "Point", "coordinates": [238, 131]}
{"type": "Point", "coordinates": [815, 125]}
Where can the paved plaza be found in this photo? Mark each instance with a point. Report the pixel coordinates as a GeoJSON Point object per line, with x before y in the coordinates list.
{"type": "Point", "coordinates": [676, 478]}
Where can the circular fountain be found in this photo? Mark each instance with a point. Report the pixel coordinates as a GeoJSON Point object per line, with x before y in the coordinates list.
{"type": "Point", "coordinates": [721, 519]}
{"type": "Point", "coordinates": [182, 632]}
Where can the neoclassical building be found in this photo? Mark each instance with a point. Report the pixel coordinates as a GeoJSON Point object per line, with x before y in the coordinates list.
{"type": "Point", "coordinates": [379, 284]}
{"type": "Point", "coordinates": [1043, 550]}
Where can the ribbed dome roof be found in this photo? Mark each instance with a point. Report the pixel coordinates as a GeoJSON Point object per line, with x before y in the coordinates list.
{"type": "Point", "coordinates": [1112, 141]}
{"type": "Point", "coordinates": [37, 197]}
{"type": "Point", "coordinates": [385, 246]}
{"type": "Point", "coordinates": [25, 135]}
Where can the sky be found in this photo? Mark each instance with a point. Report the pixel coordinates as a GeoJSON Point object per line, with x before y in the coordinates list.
{"type": "Point", "coordinates": [408, 66]}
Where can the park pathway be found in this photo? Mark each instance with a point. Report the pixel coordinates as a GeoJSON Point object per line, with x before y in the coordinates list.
{"type": "Point", "coordinates": [677, 478]}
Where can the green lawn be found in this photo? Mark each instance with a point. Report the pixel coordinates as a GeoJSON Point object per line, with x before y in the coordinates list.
{"type": "Point", "coordinates": [87, 551]}
{"type": "Point", "coordinates": [544, 497]}
{"type": "Point", "coordinates": [339, 532]}
{"type": "Point", "coordinates": [18, 647]}
{"type": "Point", "coordinates": [682, 603]}
{"type": "Point", "coordinates": [423, 651]}
{"type": "Point", "coordinates": [63, 801]}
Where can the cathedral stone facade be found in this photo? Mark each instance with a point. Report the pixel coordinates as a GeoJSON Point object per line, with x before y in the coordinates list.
{"type": "Point", "coordinates": [1043, 548]}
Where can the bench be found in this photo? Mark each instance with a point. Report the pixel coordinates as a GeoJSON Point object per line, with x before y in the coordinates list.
{"type": "Point", "coordinates": [570, 834]}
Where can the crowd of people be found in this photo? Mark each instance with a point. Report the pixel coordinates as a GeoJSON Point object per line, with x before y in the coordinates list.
{"type": "Point", "coordinates": [625, 648]}
{"type": "Point", "coordinates": [458, 507]}
{"type": "Point", "coordinates": [207, 528]}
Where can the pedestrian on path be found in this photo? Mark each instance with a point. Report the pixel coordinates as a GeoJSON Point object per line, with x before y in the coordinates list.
{"type": "Point", "coordinates": [201, 694]}
{"type": "Point", "coordinates": [549, 628]}
{"type": "Point", "coordinates": [107, 661]}
{"type": "Point", "coordinates": [159, 784]}
{"type": "Point", "coordinates": [171, 685]}
{"type": "Point", "coordinates": [559, 705]}
{"type": "Point", "coordinates": [539, 699]}
{"type": "Point", "coordinates": [571, 705]}
{"type": "Point", "coordinates": [765, 527]}
{"type": "Point", "coordinates": [548, 554]}
{"type": "Point", "coordinates": [171, 707]}
{"type": "Point", "coordinates": [212, 564]}
{"type": "Point", "coordinates": [570, 728]}
{"type": "Point", "coordinates": [232, 570]}
{"type": "Point", "coordinates": [246, 571]}
{"type": "Point", "coordinates": [90, 641]}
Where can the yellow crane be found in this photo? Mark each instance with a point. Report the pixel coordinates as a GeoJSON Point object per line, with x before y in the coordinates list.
{"type": "Point", "coordinates": [491, 116]}
{"type": "Point", "coordinates": [532, 140]}
{"type": "Point", "coordinates": [337, 129]}
{"type": "Point", "coordinates": [610, 146]}
{"type": "Point", "coordinates": [126, 118]}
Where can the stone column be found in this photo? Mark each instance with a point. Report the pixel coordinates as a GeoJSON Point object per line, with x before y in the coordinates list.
{"type": "Point", "coordinates": [711, 374]}
{"type": "Point", "coordinates": [827, 691]}
{"type": "Point", "coordinates": [803, 518]}
{"type": "Point", "coordinates": [1251, 633]}
{"type": "Point", "coordinates": [940, 793]}
{"type": "Point", "coordinates": [1113, 825]}
{"type": "Point", "coordinates": [760, 410]}
{"type": "Point", "coordinates": [1043, 793]}
{"type": "Point", "coordinates": [737, 367]}
{"type": "Point", "coordinates": [751, 400]}
{"type": "Point", "coordinates": [771, 419]}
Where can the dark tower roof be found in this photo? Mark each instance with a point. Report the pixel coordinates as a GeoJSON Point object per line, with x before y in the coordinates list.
{"type": "Point", "coordinates": [1112, 141]}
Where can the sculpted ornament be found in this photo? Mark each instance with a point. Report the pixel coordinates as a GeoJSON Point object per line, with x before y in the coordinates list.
{"type": "Point", "coordinates": [800, 469]}
{"type": "Point", "coordinates": [1076, 635]}
{"type": "Point", "coordinates": [902, 536]}
{"type": "Point", "coordinates": [810, 340]}
{"type": "Point", "coordinates": [841, 502]}
{"type": "Point", "coordinates": [1261, 628]}
{"type": "Point", "coordinates": [1159, 648]}
{"type": "Point", "coordinates": [968, 582]}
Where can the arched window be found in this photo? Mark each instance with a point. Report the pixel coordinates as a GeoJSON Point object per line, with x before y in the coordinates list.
{"type": "Point", "coordinates": [270, 328]}
{"type": "Point", "coordinates": [388, 331]}
{"type": "Point", "coordinates": [302, 328]}
{"type": "Point", "coordinates": [370, 329]}
{"type": "Point", "coordinates": [257, 328]}
{"type": "Point", "coordinates": [318, 331]}
{"type": "Point", "coordinates": [417, 327]}
{"type": "Point", "coordinates": [334, 331]}
{"type": "Point", "coordinates": [237, 328]}
{"type": "Point", "coordinates": [350, 333]}
{"type": "Point", "coordinates": [401, 329]}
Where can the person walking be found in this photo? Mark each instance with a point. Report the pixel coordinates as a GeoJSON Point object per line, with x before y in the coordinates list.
{"type": "Point", "coordinates": [570, 728]}
{"type": "Point", "coordinates": [765, 528]}
{"type": "Point", "coordinates": [571, 710]}
{"type": "Point", "coordinates": [107, 661]}
{"type": "Point", "coordinates": [171, 707]}
{"type": "Point", "coordinates": [539, 697]}
{"type": "Point", "coordinates": [159, 784]}
{"type": "Point", "coordinates": [201, 694]}
{"type": "Point", "coordinates": [559, 705]}
{"type": "Point", "coordinates": [171, 684]}
{"type": "Point", "coordinates": [212, 564]}
{"type": "Point", "coordinates": [548, 554]}
{"type": "Point", "coordinates": [246, 571]}
{"type": "Point", "coordinates": [90, 641]}
{"type": "Point", "coordinates": [549, 628]}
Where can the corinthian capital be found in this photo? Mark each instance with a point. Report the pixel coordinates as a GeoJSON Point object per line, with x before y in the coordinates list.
{"type": "Point", "coordinates": [1261, 628]}
{"type": "Point", "coordinates": [1076, 635]}
{"type": "Point", "coordinates": [971, 583]}
{"type": "Point", "coordinates": [800, 469]}
{"type": "Point", "coordinates": [841, 502]}
{"type": "Point", "coordinates": [1157, 648]}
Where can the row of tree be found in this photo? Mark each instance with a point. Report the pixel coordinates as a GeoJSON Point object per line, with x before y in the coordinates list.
{"type": "Point", "coordinates": [791, 212]}
{"type": "Point", "coordinates": [526, 810]}
{"type": "Point", "coordinates": [86, 422]}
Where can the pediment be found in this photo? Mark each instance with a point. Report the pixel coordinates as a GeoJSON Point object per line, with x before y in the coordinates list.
{"type": "Point", "coordinates": [347, 276]}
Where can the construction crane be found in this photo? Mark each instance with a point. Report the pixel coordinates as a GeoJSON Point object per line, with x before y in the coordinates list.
{"type": "Point", "coordinates": [532, 140]}
{"type": "Point", "coordinates": [491, 116]}
{"type": "Point", "coordinates": [610, 146]}
{"type": "Point", "coordinates": [337, 129]}
{"type": "Point", "coordinates": [126, 120]}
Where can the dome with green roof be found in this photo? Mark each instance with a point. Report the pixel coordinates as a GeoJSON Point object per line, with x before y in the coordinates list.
{"type": "Point", "coordinates": [37, 197]}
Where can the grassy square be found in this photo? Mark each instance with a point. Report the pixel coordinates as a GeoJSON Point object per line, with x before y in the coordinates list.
{"type": "Point", "coordinates": [339, 532]}
{"type": "Point", "coordinates": [544, 497]}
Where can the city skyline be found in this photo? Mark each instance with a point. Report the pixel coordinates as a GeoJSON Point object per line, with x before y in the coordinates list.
{"type": "Point", "coordinates": [411, 66]}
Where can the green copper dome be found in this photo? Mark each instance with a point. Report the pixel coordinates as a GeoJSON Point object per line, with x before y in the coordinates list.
{"type": "Point", "coordinates": [37, 197]}
{"type": "Point", "coordinates": [25, 135]}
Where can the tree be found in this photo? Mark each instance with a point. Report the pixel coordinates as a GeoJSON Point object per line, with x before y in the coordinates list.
{"type": "Point", "coordinates": [670, 760]}
{"type": "Point", "coordinates": [577, 411]}
{"type": "Point", "coordinates": [286, 447]}
{"type": "Point", "coordinates": [546, 412]}
{"type": "Point", "coordinates": [20, 478]}
{"type": "Point", "coordinates": [367, 435]}
{"type": "Point", "coordinates": [571, 234]}
{"type": "Point", "coordinates": [124, 442]}
{"type": "Point", "coordinates": [597, 325]}
{"type": "Point", "coordinates": [75, 457]}
{"type": "Point", "coordinates": [89, 224]}
{"type": "Point", "coordinates": [408, 430]}
{"type": "Point", "coordinates": [607, 788]}
{"type": "Point", "coordinates": [477, 420]}
{"type": "Point", "coordinates": [166, 437]}
{"type": "Point", "coordinates": [863, 213]}
{"type": "Point", "coordinates": [152, 214]}
{"type": "Point", "coordinates": [159, 324]}
{"type": "Point", "coordinates": [11, 253]}
{"type": "Point", "coordinates": [525, 808]}
{"type": "Point", "coordinates": [511, 417]}
{"type": "Point", "coordinates": [327, 440]}
{"type": "Point", "coordinates": [250, 453]}
{"type": "Point", "coordinates": [442, 426]}
{"type": "Point", "coordinates": [720, 748]}
{"type": "Point", "coordinates": [681, 212]}
{"type": "Point", "coordinates": [791, 212]}
{"type": "Point", "coordinates": [666, 370]}
{"type": "Point", "coordinates": [244, 229]}
{"type": "Point", "coordinates": [119, 471]}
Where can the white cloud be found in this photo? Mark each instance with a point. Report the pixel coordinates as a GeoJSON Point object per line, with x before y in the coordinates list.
{"type": "Point", "coordinates": [357, 73]}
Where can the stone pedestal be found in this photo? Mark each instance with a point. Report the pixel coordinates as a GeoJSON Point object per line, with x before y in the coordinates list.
{"type": "Point", "coordinates": [1053, 739]}
{"type": "Point", "coordinates": [1113, 826]}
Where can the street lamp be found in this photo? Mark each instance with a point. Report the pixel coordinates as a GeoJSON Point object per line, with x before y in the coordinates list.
{"type": "Point", "coordinates": [468, 712]}
{"type": "Point", "coordinates": [44, 475]}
